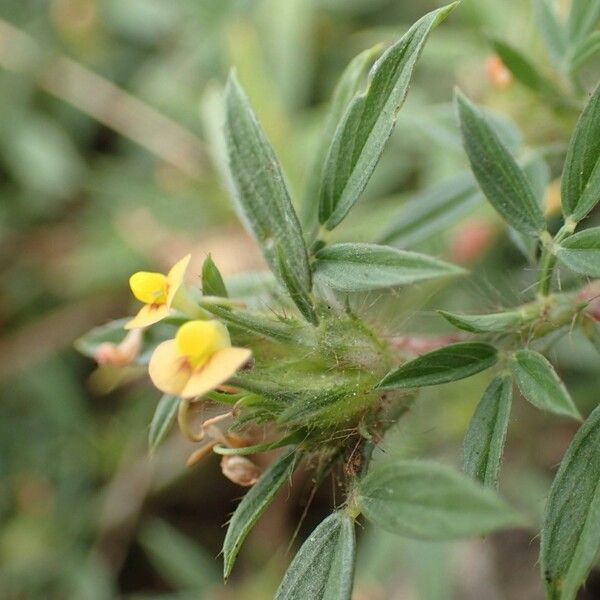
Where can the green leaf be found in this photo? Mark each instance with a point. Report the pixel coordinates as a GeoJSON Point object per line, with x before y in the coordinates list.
{"type": "Point", "coordinates": [262, 195]}
{"type": "Point", "coordinates": [212, 281]}
{"type": "Point", "coordinates": [280, 330]}
{"type": "Point", "coordinates": [441, 366]}
{"type": "Point", "coordinates": [254, 504]}
{"type": "Point", "coordinates": [525, 71]}
{"type": "Point", "coordinates": [581, 252]}
{"type": "Point", "coordinates": [421, 499]}
{"type": "Point", "coordinates": [324, 566]}
{"type": "Point", "coordinates": [551, 29]}
{"type": "Point", "coordinates": [571, 530]}
{"type": "Point", "coordinates": [484, 440]}
{"type": "Point", "coordinates": [580, 186]}
{"type": "Point", "coordinates": [540, 384]}
{"type": "Point", "coordinates": [583, 51]}
{"type": "Point", "coordinates": [494, 322]}
{"type": "Point", "coordinates": [295, 290]}
{"type": "Point", "coordinates": [368, 122]}
{"type": "Point", "coordinates": [433, 210]}
{"type": "Point", "coordinates": [162, 421]}
{"type": "Point", "coordinates": [500, 178]}
{"type": "Point", "coordinates": [583, 16]}
{"type": "Point", "coordinates": [350, 84]}
{"type": "Point", "coordinates": [362, 267]}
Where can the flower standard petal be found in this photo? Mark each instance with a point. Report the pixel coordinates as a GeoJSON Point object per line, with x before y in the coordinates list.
{"type": "Point", "coordinates": [169, 371]}
{"type": "Point", "coordinates": [148, 315]}
{"type": "Point", "coordinates": [149, 287]}
{"type": "Point", "coordinates": [175, 278]}
{"type": "Point", "coordinates": [221, 366]}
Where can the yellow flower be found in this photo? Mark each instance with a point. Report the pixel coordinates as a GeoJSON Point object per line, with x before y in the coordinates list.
{"type": "Point", "coordinates": [198, 360]}
{"type": "Point", "coordinates": [158, 293]}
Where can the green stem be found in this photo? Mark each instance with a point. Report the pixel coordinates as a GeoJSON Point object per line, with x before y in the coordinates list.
{"type": "Point", "coordinates": [548, 259]}
{"type": "Point", "coordinates": [547, 263]}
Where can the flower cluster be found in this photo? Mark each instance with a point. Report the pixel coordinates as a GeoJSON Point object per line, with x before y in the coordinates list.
{"type": "Point", "coordinates": [197, 360]}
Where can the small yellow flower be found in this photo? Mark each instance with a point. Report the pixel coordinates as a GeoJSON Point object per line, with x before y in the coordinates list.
{"type": "Point", "coordinates": [198, 360]}
{"type": "Point", "coordinates": [157, 292]}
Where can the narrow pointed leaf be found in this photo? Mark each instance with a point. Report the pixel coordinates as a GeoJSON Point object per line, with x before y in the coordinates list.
{"type": "Point", "coordinates": [584, 50]}
{"type": "Point", "coordinates": [442, 366]}
{"type": "Point", "coordinates": [351, 82]}
{"type": "Point", "coordinates": [261, 193]}
{"type": "Point", "coordinates": [583, 16]}
{"type": "Point", "coordinates": [580, 186]}
{"type": "Point", "coordinates": [499, 176]}
{"type": "Point", "coordinates": [494, 322]}
{"type": "Point", "coordinates": [540, 385]}
{"type": "Point", "coordinates": [525, 71]}
{"type": "Point", "coordinates": [253, 505]}
{"type": "Point", "coordinates": [285, 331]}
{"type": "Point", "coordinates": [433, 210]}
{"type": "Point", "coordinates": [551, 28]}
{"type": "Point", "coordinates": [212, 280]}
{"type": "Point", "coordinates": [484, 440]}
{"type": "Point", "coordinates": [361, 267]}
{"type": "Point", "coordinates": [425, 500]}
{"type": "Point", "coordinates": [162, 421]}
{"type": "Point", "coordinates": [324, 566]}
{"type": "Point", "coordinates": [301, 298]}
{"type": "Point", "coordinates": [581, 252]}
{"type": "Point", "coordinates": [571, 530]}
{"type": "Point", "coordinates": [368, 123]}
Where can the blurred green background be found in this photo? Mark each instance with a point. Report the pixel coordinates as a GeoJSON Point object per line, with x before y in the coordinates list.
{"type": "Point", "coordinates": [107, 113]}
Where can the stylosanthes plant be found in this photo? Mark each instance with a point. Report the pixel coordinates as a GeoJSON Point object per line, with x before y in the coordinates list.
{"type": "Point", "coordinates": [318, 383]}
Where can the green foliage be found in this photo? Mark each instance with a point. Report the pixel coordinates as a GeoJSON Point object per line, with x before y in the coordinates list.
{"type": "Point", "coordinates": [581, 252]}
{"type": "Point", "coordinates": [580, 184]}
{"type": "Point", "coordinates": [450, 363]}
{"type": "Point", "coordinates": [351, 82]}
{"type": "Point", "coordinates": [264, 199]}
{"type": "Point", "coordinates": [494, 322]}
{"type": "Point", "coordinates": [540, 384]}
{"type": "Point", "coordinates": [432, 211]}
{"type": "Point", "coordinates": [76, 480]}
{"type": "Point", "coordinates": [571, 530]}
{"type": "Point", "coordinates": [368, 122]}
{"type": "Point", "coordinates": [484, 440]}
{"type": "Point", "coordinates": [253, 505]}
{"type": "Point", "coordinates": [324, 566]}
{"type": "Point", "coordinates": [212, 280]}
{"type": "Point", "coordinates": [525, 71]}
{"type": "Point", "coordinates": [162, 421]}
{"type": "Point", "coordinates": [498, 174]}
{"type": "Point", "coordinates": [362, 267]}
{"type": "Point", "coordinates": [429, 501]}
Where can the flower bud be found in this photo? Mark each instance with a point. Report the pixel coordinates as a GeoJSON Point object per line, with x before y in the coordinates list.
{"type": "Point", "coordinates": [499, 76]}
{"type": "Point", "coordinates": [240, 470]}
{"type": "Point", "coordinates": [120, 355]}
{"type": "Point", "coordinates": [471, 241]}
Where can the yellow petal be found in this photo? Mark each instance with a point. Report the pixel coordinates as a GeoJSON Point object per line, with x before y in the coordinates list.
{"type": "Point", "coordinates": [175, 277]}
{"type": "Point", "coordinates": [216, 371]}
{"type": "Point", "coordinates": [148, 315]}
{"type": "Point", "coordinates": [149, 288]}
{"type": "Point", "coordinates": [169, 372]}
{"type": "Point", "coordinates": [199, 340]}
